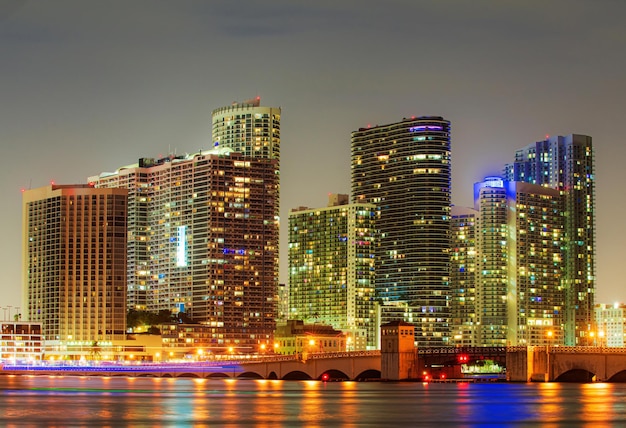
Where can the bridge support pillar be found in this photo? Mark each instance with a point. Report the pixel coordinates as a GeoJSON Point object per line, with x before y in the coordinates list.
{"type": "Point", "coordinates": [398, 353]}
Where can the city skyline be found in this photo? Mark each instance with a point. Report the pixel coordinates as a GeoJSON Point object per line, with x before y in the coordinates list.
{"type": "Point", "coordinates": [89, 87]}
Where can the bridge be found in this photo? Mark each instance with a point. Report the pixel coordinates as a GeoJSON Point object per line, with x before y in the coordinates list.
{"type": "Point", "coordinates": [362, 365]}
{"type": "Point", "coordinates": [523, 364]}
{"type": "Point", "coordinates": [566, 363]}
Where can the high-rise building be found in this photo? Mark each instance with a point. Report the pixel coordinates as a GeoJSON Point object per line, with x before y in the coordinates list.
{"type": "Point", "coordinates": [566, 163]}
{"type": "Point", "coordinates": [509, 292]}
{"type": "Point", "coordinates": [135, 179]}
{"type": "Point", "coordinates": [490, 200]}
{"type": "Point", "coordinates": [331, 269]}
{"type": "Point", "coordinates": [248, 128]}
{"type": "Point", "coordinates": [463, 276]}
{"type": "Point", "coordinates": [210, 225]}
{"type": "Point", "coordinates": [404, 169]}
{"type": "Point", "coordinates": [535, 297]}
{"type": "Point", "coordinates": [74, 255]}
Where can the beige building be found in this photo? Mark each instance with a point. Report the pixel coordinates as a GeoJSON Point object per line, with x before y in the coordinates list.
{"type": "Point", "coordinates": [74, 262]}
{"type": "Point", "coordinates": [610, 323]}
{"type": "Point", "coordinates": [21, 341]}
{"type": "Point", "coordinates": [297, 338]}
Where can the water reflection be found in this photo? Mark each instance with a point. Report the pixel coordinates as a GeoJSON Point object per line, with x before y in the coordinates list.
{"type": "Point", "coordinates": [113, 401]}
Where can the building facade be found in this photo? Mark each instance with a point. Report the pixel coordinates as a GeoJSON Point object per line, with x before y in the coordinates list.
{"type": "Point", "coordinates": [295, 337]}
{"type": "Point", "coordinates": [248, 128]}
{"type": "Point", "coordinates": [535, 296]}
{"type": "Point", "coordinates": [566, 163]}
{"type": "Point", "coordinates": [463, 277]}
{"type": "Point", "coordinates": [610, 321]}
{"type": "Point", "coordinates": [74, 255]}
{"type": "Point", "coordinates": [210, 226]}
{"type": "Point", "coordinates": [404, 169]}
{"type": "Point", "coordinates": [21, 341]}
{"type": "Point", "coordinates": [331, 269]}
{"type": "Point", "coordinates": [490, 200]}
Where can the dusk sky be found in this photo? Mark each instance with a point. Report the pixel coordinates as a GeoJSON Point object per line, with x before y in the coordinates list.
{"type": "Point", "coordinates": [89, 86]}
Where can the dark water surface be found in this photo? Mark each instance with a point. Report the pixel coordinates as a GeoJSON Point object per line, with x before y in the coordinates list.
{"type": "Point", "coordinates": [138, 402]}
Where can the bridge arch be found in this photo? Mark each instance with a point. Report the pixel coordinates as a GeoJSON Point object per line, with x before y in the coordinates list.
{"type": "Point", "coordinates": [576, 375]}
{"type": "Point", "coordinates": [333, 375]}
{"type": "Point", "coordinates": [249, 375]}
{"type": "Point", "coordinates": [297, 375]}
{"type": "Point", "coordinates": [368, 375]}
{"type": "Point", "coordinates": [618, 377]}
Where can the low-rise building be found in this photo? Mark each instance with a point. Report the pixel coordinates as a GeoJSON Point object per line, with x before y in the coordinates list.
{"type": "Point", "coordinates": [21, 341]}
{"type": "Point", "coordinates": [297, 338]}
{"type": "Point", "coordinates": [611, 325]}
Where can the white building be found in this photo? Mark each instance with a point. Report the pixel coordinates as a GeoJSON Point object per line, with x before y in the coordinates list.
{"type": "Point", "coordinates": [611, 325]}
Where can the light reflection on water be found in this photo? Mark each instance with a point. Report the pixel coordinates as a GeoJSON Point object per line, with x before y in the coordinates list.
{"type": "Point", "coordinates": [121, 401]}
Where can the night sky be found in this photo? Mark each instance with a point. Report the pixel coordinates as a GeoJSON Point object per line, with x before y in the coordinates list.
{"type": "Point", "coordinates": [89, 86]}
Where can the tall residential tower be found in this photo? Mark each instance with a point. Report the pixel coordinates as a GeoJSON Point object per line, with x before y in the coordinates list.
{"type": "Point", "coordinates": [566, 163]}
{"type": "Point", "coordinates": [210, 226]}
{"type": "Point", "coordinates": [404, 169]}
{"type": "Point", "coordinates": [74, 255]}
{"type": "Point", "coordinates": [331, 269]}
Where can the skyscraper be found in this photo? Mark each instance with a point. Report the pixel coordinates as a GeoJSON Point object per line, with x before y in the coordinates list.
{"type": "Point", "coordinates": [74, 255]}
{"type": "Point", "coordinates": [566, 163]}
{"type": "Point", "coordinates": [210, 225]}
{"type": "Point", "coordinates": [404, 169]}
{"type": "Point", "coordinates": [490, 200]}
{"type": "Point", "coordinates": [510, 292]}
{"type": "Point", "coordinates": [331, 269]}
{"type": "Point", "coordinates": [535, 298]}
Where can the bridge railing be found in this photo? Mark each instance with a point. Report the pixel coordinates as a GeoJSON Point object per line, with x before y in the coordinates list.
{"type": "Point", "coordinates": [557, 349]}
{"type": "Point", "coordinates": [470, 350]}
{"type": "Point", "coordinates": [348, 354]}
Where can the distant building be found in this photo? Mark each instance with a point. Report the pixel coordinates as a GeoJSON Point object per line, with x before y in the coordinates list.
{"type": "Point", "coordinates": [206, 225]}
{"type": "Point", "coordinates": [194, 341]}
{"type": "Point", "coordinates": [404, 169]}
{"type": "Point", "coordinates": [566, 163]}
{"type": "Point", "coordinates": [331, 269]}
{"type": "Point", "coordinates": [298, 338]}
{"type": "Point", "coordinates": [610, 321]}
{"type": "Point", "coordinates": [74, 255]}
{"type": "Point", "coordinates": [21, 341]}
{"type": "Point", "coordinates": [283, 303]}
{"type": "Point", "coordinates": [464, 259]}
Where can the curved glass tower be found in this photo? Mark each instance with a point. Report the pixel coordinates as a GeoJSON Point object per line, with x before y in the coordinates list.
{"type": "Point", "coordinates": [404, 169]}
{"type": "Point", "coordinates": [248, 128]}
